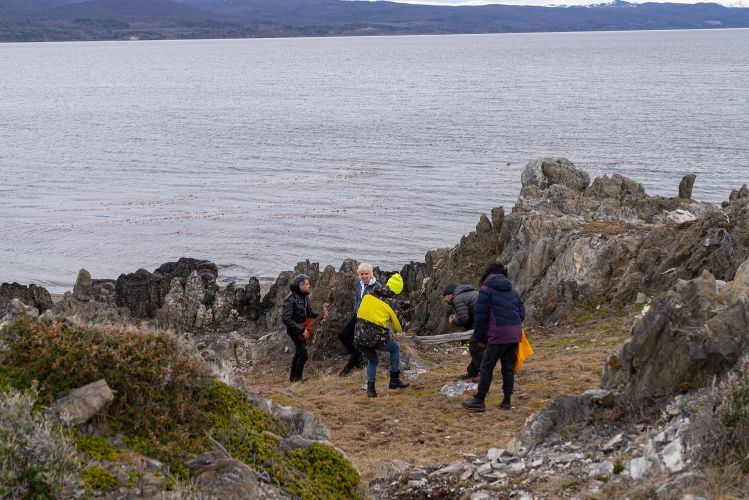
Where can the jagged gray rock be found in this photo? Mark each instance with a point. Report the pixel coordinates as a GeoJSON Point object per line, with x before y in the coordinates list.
{"type": "Point", "coordinates": [690, 335]}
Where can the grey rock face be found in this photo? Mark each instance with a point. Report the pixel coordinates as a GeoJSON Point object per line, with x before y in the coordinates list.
{"type": "Point", "coordinates": [81, 404]}
{"type": "Point", "coordinates": [691, 334]}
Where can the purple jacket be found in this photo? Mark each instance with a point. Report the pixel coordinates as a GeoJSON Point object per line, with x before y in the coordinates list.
{"type": "Point", "coordinates": [499, 312]}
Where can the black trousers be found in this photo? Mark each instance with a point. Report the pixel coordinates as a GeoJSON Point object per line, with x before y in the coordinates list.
{"type": "Point", "coordinates": [506, 354]}
{"type": "Point", "coordinates": [477, 355]}
{"type": "Point", "coordinates": [299, 359]}
{"type": "Point", "coordinates": [347, 339]}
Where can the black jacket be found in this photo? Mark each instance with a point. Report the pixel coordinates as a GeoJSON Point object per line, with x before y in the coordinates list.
{"type": "Point", "coordinates": [296, 308]}
{"type": "Point", "coordinates": [464, 302]}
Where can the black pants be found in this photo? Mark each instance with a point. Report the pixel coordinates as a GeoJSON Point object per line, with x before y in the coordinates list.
{"type": "Point", "coordinates": [477, 355]}
{"type": "Point", "coordinates": [347, 339]}
{"type": "Point", "coordinates": [506, 354]}
{"type": "Point", "coordinates": [300, 358]}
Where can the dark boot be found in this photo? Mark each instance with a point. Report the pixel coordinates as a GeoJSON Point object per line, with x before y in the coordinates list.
{"type": "Point", "coordinates": [475, 404]}
{"type": "Point", "coordinates": [395, 381]}
{"type": "Point", "coordinates": [505, 404]}
{"type": "Point", "coordinates": [371, 392]}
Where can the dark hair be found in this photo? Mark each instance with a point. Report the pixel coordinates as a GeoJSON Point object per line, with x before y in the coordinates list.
{"type": "Point", "coordinates": [494, 267]}
{"type": "Point", "coordinates": [298, 280]}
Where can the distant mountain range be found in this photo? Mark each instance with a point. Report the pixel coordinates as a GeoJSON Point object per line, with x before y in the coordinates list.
{"type": "Point", "coordinates": [48, 20]}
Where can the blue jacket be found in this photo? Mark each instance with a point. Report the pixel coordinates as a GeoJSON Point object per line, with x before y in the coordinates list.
{"type": "Point", "coordinates": [499, 312]}
{"type": "Point", "coordinates": [358, 291]}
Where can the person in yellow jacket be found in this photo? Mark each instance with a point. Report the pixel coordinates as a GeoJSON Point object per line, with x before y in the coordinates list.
{"type": "Point", "coordinates": [378, 312]}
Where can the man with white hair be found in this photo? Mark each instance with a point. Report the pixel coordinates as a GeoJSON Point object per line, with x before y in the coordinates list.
{"type": "Point", "coordinates": [365, 283]}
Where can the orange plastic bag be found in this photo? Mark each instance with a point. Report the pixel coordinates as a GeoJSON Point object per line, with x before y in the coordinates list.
{"type": "Point", "coordinates": [524, 350]}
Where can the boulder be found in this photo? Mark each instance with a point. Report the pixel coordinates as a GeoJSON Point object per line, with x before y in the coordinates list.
{"type": "Point", "coordinates": [218, 477]}
{"type": "Point", "coordinates": [81, 404]}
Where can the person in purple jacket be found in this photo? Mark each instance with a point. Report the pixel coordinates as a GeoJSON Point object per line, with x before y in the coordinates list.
{"type": "Point", "coordinates": [498, 324]}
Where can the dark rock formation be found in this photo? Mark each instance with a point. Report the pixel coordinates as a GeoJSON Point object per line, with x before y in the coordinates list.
{"type": "Point", "coordinates": [685, 187]}
{"type": "Point", "coordinates": [32, 295]}
{"type": "Point", "coordinates": [140, 292]}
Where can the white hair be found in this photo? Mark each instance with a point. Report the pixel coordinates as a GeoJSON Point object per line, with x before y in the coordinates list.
{"type": "Point", "coordinates": [366, 267]}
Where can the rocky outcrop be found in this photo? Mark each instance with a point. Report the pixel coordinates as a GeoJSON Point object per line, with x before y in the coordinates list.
{"type": "Point", "coordinates": [691, 336]}
{"type": "Point", "coordinates": [31, 295]}
{"type": "Point", "coordinates": [567, 243]}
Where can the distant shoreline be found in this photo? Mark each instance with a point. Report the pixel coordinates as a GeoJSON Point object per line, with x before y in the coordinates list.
{"type": "Point", "coordinates": [391, 35]}
{"type": "Point", "coordinates": [62, 20]}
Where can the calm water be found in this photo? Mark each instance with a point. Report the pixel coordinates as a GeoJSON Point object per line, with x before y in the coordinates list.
{"type": "Point", "coordinates": [259, 153]}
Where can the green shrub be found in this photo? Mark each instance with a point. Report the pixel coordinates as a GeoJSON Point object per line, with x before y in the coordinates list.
{"type": "Point", "coordinates": [166, 405]}
{"type": "Point", "coordinates": [98, 479]}
{"type": "Point", "coordinates": [97, 447]}
{"type": "Point", "coordinates": [618, 467]}
{"type": "Point", "coordinates": [329, 475]}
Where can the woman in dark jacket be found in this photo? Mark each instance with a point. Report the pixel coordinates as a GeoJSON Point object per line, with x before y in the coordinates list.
{"type": "Point", "coordinates": [498, 324]}
{"type": "Point", "coordinates": [296, 309]}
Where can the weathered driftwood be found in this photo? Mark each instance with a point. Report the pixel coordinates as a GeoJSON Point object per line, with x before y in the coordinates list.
{"type": "Point", "coordinates": [444, 338]}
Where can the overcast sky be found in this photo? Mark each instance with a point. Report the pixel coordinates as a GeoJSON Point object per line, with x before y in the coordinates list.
{"type": "Point", "coordinates": [728, 3]}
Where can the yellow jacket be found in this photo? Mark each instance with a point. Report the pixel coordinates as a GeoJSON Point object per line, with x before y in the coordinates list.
{"type": "Point", "coordinates": [376, 309]}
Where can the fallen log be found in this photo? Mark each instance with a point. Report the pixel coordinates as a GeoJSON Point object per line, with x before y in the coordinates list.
{"type": "Point", "coordinates": [444, 338]}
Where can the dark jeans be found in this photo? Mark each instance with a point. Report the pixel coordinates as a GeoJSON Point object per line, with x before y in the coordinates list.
{"type": "Point", "coordinates": [506, 354]}
{"type": "Point", "coordinates": [347, 339]}
{"type": "Point", "coordinates": [300, 357]}
{"type": "Point", "coordinates": [477, 355]}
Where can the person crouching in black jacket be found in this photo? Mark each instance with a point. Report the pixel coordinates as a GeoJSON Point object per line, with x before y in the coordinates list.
{"type": "Point", "coordinates": [296, 309]}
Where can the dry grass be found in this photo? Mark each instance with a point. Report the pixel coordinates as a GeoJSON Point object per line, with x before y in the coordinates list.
{"type": "Point", "coordinates": [422, 426]}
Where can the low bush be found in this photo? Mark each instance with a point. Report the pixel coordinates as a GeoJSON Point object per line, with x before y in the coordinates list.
{"type": "Point", "coordinates": [37, 460]}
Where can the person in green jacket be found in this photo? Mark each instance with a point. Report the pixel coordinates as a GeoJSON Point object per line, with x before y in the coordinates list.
{"type": "Point", "coordinates": [378, 312]}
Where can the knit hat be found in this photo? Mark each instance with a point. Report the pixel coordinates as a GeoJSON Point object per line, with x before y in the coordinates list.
{"type": "Point", "coordinates": [449, 289]}
{"type": "Point", "coordinates": [395, 283]}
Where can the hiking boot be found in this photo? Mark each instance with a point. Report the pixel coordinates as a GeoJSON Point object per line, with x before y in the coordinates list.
{"type": "Point", "coordinates": [505, 404]}
{"type": "Point", "coordinates": [371, 392]}
{"type": "Point", "coordinates": [396, 382]}
{"type": "Point", "coordinates": [475, 404]}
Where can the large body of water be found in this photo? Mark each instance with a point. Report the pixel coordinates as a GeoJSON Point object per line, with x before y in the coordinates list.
{"type": "Point", "coordinates": [257, 154]}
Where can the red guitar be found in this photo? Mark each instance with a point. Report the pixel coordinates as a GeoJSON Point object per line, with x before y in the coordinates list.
{"type": "Point", "coordinates": [309, 325]}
